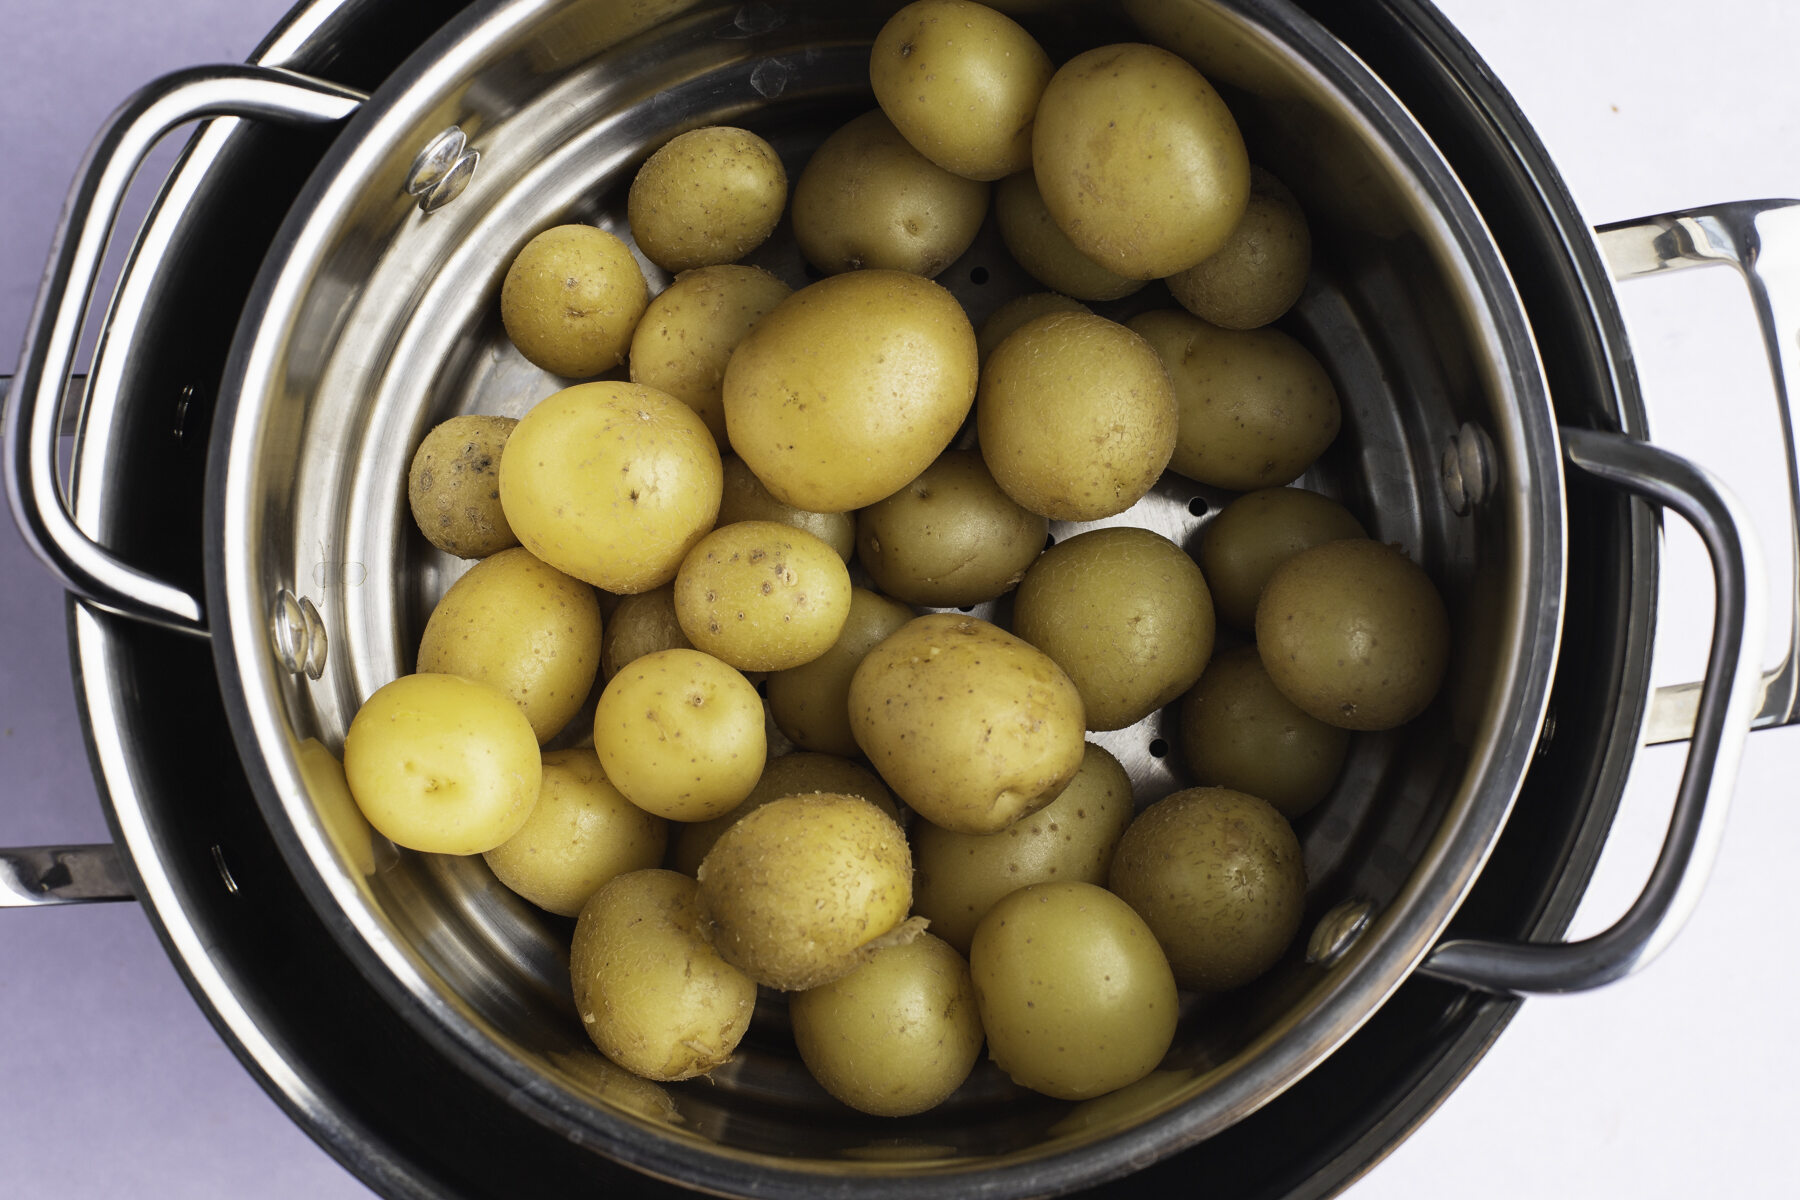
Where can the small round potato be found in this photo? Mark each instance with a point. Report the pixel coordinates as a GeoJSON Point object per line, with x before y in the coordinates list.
{"type": "Point", "coordinates": [1076, 998]}
{"type": "Point", "coordinates": [959, 876]}
{"type": "Point", "coordinates": [896, 1035]}
{"type": "Point", "coordinates": [850, 388]}
{"type": "Point", "coordinates": [762, 596]}
{"type": "Point", "coordinates": [961, 83]}
{"type": "Point", "coordinates": [866, 199]}
{"type": "Point", "coordinates": [969, 725]}
{"type": "Point", "coordinates": [1256, 406]}
{"type": "Point", "coordinates": [951, 537]}
{"type": "Point", "coordinates": [789, 775]}
{"type": "Point", "coordinates": [708, 196]}
{"type": "Point", "coordinates": [612, 483]}
{"type": "Point", "coordinates": [746, 499]}
{"type": "Point", "coordinates": [519, 624]}
{"type": "Point", "coordinates": [1075, 417]}
{"type": "Point", "coordinates": [1139, 161]}
{"type": "Point", "coordinates": [571, 300]}
{"type": "Point", "coordinates": [681, 734]}
{"type": "Point", "coordinates": [581, 833]}
{"type": "Point", "coordinates": [442, 764]}
{"type": "Point", "coordinates": [1020, 311]}
{"type": "Point", "coordinates": [690, 329]}
{"type": "Point", "coordinates": [1258, 532]}
{"type": "Point", "coordinates": [652, 994]}
{"type": "Point", "coordinates": [1218, 876]}
{"type": "Point", "coordinates": [811, 702]}
{"type": "Point", "coordinates": [1045, 251]}
{"type": "Point", "coordinates": [453, 486]}
{"type": "Point", "coordinates": [1260, 270]}
{"type": "Point", "coordinates": [640, 625]}
{"type": "Point", "coordinates": [805, 888]}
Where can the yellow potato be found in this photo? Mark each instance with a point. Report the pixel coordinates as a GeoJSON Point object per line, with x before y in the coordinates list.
{"type": "Point", "coordinates": [1045, 251]}
{"type": "Point", "coordinates": [1258, 532]}
{"type": "Point", "coordinates": [810, 703]}
{"type": "Point", "coordinates": [1260, 270]}
{"type": "Point", "coordinates": [640, 625]}
{"type": "Point", "coordinates": [690, 329]}
{"type": "Point", "coordinates": [1021, 310]}
{"type": "Point", "coordinates": [746, 499]}
{"type": "Point", "coordinates": [762, 596]}
{"type": "Point", "coordinates": [789, 775]}
{"type": "Point", "coordinates": [341, 819]}
{"type": "Point", "coordinates": [571, 300]}
{"type": "Point", "coordinates": [453, 486]}
{"type": "Point", "coordinates": [707, 196]}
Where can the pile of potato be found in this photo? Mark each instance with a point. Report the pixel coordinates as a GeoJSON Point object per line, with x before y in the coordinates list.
{"type": "Point", "coordinates": [758, 508]}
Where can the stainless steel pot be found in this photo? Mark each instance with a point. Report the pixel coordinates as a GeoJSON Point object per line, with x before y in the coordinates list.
{"type": "Point", "coordinates": [363, 291]}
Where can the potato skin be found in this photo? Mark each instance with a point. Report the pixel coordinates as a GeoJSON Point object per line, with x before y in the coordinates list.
{"type": "Point", "coordinates": [794, 774]}
{"type": "Point", "coordinates": [453, 486]}
{"type": "Point", "coordinates": [969, 725]}
{"type": "Point", "coordinates": [811, 702]}
{"type": "Point", "coordinates": [640, 625]}
{"type": "Point", "coordinates": [571, 300]}
{"type": "Point", "coordinates": [706, 197]}
{"type": "Point", "coordinates": [1036, 243]}
{"type": "Point", "coordinates": [1239, 731]}
{"type": "Point", "coordinates": [1258, 532]}
{"type": "Point", "coordinates": [762, 596]}
{"type": "Point", "coordinates": [746, 499]}
{"type": "Point", "coordinates": [1260, 270]}
{"type": "Point", "coordinates": [690, 329]}
{"type": "Point", "coordinates": [1019, 312]}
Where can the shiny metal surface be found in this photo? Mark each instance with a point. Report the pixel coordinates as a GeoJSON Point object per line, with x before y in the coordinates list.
{"type": "Point", "coordinates": [38, 875]}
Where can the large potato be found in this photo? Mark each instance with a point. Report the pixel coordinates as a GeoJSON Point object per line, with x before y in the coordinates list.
{"type": "Point", "coordinates": [969, 725]}
{"type": "Point", "coordinates": [850, 388]}
{"type": "Point", "coordinates": [690, 329]}
{"type": "Point", "coordinates": [1238, 731]}
{"type": "Point", "coordinates": [762, 596]}
{"type": "Point", "coordinates": [707, 196]}
{"type": "Point", "coordinates": [612, 483]}
{"type": "Point", "coordinates": [796, 774]}
{"type": "Point", "coordinates": [453, 486]}
{"type": "Point", "coordinates": [811, 702]}
{"type": "Point", "coordinates": [1258, 532]}
{"type": "Point", "coordinates": [572, 299]}
{"type": "Point", "coordinates": [1045, 251]}
{"type": "Point", "coordinates": [1019, 312]}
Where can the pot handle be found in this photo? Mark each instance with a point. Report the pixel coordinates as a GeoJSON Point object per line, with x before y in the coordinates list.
{"type": "Point", "coordinates": [1761, 240]}
{"type": "Point", "coordinates": [1727, 703]}
{"type": "Point", "coordinates": [33, 482]}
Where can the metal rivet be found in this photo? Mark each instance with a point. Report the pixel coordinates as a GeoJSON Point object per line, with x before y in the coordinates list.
{"type": "Point", "coordinates": [218, 857]}
{"type": "Point", "coordinates": [298, 633]}
{"type": "Point", "coordinates": [1468, 468]}
{"type": "Point", "coordinates": [452, 184]}
{"type": "Point", "coordinates": [1547, 734]}
{"type": "Point", "coordinates": [316, 641]}
{"type": "Point", "coordinates": [1337, 931]}
{"type": "Point", "coordinates": [435, 161]}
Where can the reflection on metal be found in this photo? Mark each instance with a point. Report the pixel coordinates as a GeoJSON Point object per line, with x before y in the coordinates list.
{"type": "Point", "coordinates": [442, 170]}
{"type": "Point", "coordinates": [1468, 468]}
{"type": "Point", "coordinates": [34, 875]}
{"type": "Point", "coordinates": [298, 633]}
{"type": "Point", "coordinates": [1337, 931]}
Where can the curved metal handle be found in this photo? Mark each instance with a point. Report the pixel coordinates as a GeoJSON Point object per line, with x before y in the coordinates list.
{"type": "Point", "coordinates": [33, 483]}
{"type": "Point", "coordinates": [31, 876]}
{"type": "Point", "coordinates": [1727, 702]}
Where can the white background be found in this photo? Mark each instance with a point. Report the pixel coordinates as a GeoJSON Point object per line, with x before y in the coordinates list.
{"type": "Point", "coordinates": [1676, 1083]}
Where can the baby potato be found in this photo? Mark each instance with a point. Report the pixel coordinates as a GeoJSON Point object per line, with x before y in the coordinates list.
{"type": "Point", "coordinates": [680, 734]}
{"type": "Point", "coordinates": [959, 876]}
{"type": "Point", "coordinates": [896, 1035]}
{"type": "Point", "coordinates": [652, 994]}
{"type": "Point", "coordinates": [811, 702]}
{"type": "Point", "coordinates": [850, 388]}
{"type": "Point", "coordinates": [1139, 161]}
{"type": "Point", "coordinates": [961, 82]}
{"type": "Point", "coordinates": [746, 499]}
{"type": "Point", "coordinates": [1126, 613]}
{"type": "Point", "coordinates": [1076, 998]}
{"type": "Point", "coordinates": [580, 834]}
{"type": "Point", "coordinates": [612, 483]}
{"type": "Point", "coordinates": [1076, 417]}
{"type": "Point", "coordinates": [1045, 251]}
{"type": "Point", "coordinates": [521, 625]}
{"type": "Point", "coordinates": [690, 329]}
{"type": "Point", "coordinates": [1354, 633]}
{"type": "Point", "coordinates": [1256, 406]}
{"type": "Point", "coordinates": [950, 537]}
{"type": "Point", "coordinates": [442, 764]}
{"type": "Point", "coordinates": [1260, 270]}
{"type": "Point", "coordinates": [571, 300]}
{"type": "Point", "coordinates": [789, 775]}
{"type": "Point", "coordinates": [1238, 731]}
{"type": "Point", "coordinates": [707, 196]}
{"type": "Point", "coordinates": [1218, 877]}
{"type": "Point", "coordinates": [1258, 532]}
{"type": "Point", "coordinates": [1019, 311]}
{"type": "Point", "coordinates": [805, 888]}
{"type": "Point", "coordinates": [453, 486]}
{"type": "Point", "coordinates": [969, 725]}
{"type": "Point", "coordinates": [762, 596]}
{"type": "Point", "coordinates": [866, 199]}
{"type": "Point", "coordinates": [640, 625]}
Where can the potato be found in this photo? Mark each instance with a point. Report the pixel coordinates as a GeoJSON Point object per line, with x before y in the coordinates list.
{"type": "Point", "coordinates": [1354, 633]}
{"type": "Point", "coordinates": [652, 994]}
{"type": "Point", "coordinates": [680, 734]}
{"type": "Point", "coordinates": [571, 300]}
{"type": "Point", "coordinates": [810, 703]}
{"type": "Point", "coordinates": [789, 775]}
{"type": "Point", "coordinates": [580, 834]}
{"type": "Point", "coordinates": [1258, 532]}
{"type": "Point", "coordinates": [1238, 731]}
{"type": "Point", "coordinates": [1260, 270]}
{"type": "Point", "coordinates": [949, 538]}
{"type": "Point", "coordinates": [442, 764]}
{"type": "Point", "coordinates": [762, 596]}
{"type": "Point", "coordinates": [1019, 311]}
{"type": "Point", "coordinates": [612, 483]}
{"type": "Point", "coordinates": [805, 888]}
{"type": "Point", "coordinates": [640, 625]}
{"type": "Point", "coordinates": [868, 200]}
{"type": "Point", "coordinates": [746, 499]}
{"type": "Point", "coordinates": [335, 807]}
{"type": "Point", "coordinates": [1075, 996]}
{"type": "Point", "coordinates": [521, 625]}
{"type": "Point", "coordinates": [961, 83]}
{"type": "Point", "coordinates": [959, 876]}
{"type": "Point", "coordinates": [969, 725]}
{"type": "Point", "coordinates": [706, 197]}
{"type": "Point", "coordinates": [896, 1035]}
{"type": "Point", "coordinates": [1256, 406]}
{"type": "Point", "coordinates": [1126, 613]}
{"type": "Point", "coordinates": [1075, 417]}
{"type": "Point", "coordinates": [1139, 161]}
{"type": "Point", "coordinates": [453, 486]}
{"type": "Point", "coordinates": [690, 329]}
{"type": "Point", "coordinates": [850, 388]}
{"type": "Point", "coordinates": [1218, 877]}
{"type": "Point", "coordinates": [1045, 251]}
